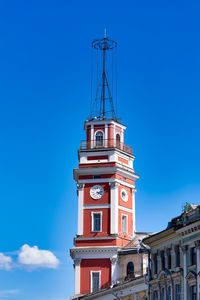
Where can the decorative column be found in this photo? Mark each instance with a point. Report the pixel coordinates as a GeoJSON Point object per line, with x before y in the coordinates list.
{"type": "Point", "coordinates": [184, 251]}
{"type": "Point", "coordinates": [197, 245]}
{"type": "Point", "coordinates": [114, 207]}
{"type": "Point", "coordinates": [80, 189]}
{"type": "Point", "coordinates": [173, 256]}
{"type": "Point", "coordinates": [114, 270]}
{"type": "Point", "coordinates": [106, 135]}
{"type": "Point", "coordinates": [159, 267]}
{"type": "Point", "coordinates": [92, 135]}
{"type": "Point", "coordinates": [77, 263]}
{"type": "Point", "coordinates": [166, 258]}
{"type": "Point", "coordinates": [133, 208]}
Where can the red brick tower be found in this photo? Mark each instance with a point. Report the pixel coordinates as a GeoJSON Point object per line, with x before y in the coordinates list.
{"type": "Point", "coordinates": [106, 202]}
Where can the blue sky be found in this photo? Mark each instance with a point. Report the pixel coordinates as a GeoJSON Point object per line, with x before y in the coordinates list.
{"type": "Point", "coordinates": [45, 74]}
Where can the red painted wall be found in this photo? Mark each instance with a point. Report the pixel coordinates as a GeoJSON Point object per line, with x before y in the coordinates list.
{"type": "Point", "coordinates": [87, 265]}
{"type": "Point", "coordinates": [105, 199]}
{"type": "Point", "coordinates": [130, 224]}
{"type": "Point", "coordinates": [87, 223]}
{"type": "Point", "coordinates": [110, 132]}
{"type": "Point", "coordinates": [127, 204]}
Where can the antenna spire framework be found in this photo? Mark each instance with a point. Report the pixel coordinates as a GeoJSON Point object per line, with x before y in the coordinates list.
{"type": "Point", "coordinates": [105, 109]}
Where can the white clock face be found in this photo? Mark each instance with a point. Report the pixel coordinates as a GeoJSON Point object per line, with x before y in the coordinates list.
{"type": "Point", "coordinates": [96, 192]}
{"type": "Point", "coordinates": [124, 195]}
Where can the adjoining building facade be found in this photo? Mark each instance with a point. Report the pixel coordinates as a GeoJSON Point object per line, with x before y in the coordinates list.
{"type": "Point", "coordinates": [175, 258]}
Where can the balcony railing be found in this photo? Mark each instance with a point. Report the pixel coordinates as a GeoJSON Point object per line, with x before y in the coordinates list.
{"type": "Point", "coordinates": [102, 144]}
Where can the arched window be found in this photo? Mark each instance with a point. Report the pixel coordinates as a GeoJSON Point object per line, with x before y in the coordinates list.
{"type": "Point", "coordinates": [169, 293]}
{"type": "Point", "coordinates": [99, 138]}
{"type": "Point", "coordinates": [130, 269]}
{"type": "Point", "coordinates": [162, 294]}
{"type": "Point", "coordinates": [118, 140]}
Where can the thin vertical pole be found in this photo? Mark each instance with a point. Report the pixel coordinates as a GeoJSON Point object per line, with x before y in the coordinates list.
{"type": "Point", "coordinates": [104, 75]}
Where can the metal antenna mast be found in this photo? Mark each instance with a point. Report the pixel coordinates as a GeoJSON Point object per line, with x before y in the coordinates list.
{"type": "Point", "coordinates": [104, 112]}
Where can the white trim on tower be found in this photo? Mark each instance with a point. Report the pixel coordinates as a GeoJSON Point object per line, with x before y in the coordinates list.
{"type": "Point", "coordinates": [80, 187]}
{"type": "Point", "coordinates": [114, 207]}
{"type": "Point", "coordinates": [92, 220]}
{"type": "Point", "coordinates": [133, 209]}
{"type": "Point", "coordinates": [77, 263]}
{"type": "Point", "coordinates": [91, 280]}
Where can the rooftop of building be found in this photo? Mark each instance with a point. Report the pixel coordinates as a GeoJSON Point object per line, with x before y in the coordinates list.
{"type": "Point", "coordinates": [190, 214]}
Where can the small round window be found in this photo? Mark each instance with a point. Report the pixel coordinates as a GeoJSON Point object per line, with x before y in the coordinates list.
{"type": "Point", "coordinates": [124, 195]}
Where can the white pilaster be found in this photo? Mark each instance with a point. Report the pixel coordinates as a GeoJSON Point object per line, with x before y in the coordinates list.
{"type": "Point", "coordinates": [114, 207]}
{"type": "Point", "coordinates": [197, 245]}
{"type": "Point", "coordinates": [80, 208]}
{"type": "Point", "coordinates": [92, 135]}
{"type": "Point", "coordinates": [114, 135]}
{"type": "Point", "coordinates": [133, 208]}
{"type": "Point", "coordinates": [184, 250]}
{"type": "Point", "coordinates": [114, 269]}
{"type": "Point", "coordinates": [106, 131]}
{"type": "Point", "coordinates": [77, 263]}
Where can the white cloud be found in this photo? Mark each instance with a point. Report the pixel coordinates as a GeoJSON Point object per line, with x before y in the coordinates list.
{"type": "Point", "coordinates": [6, 294]}
{"type": "Point", "coordinates": [5, 262]}
{"type": "Point", "coordinates": [33, 258]}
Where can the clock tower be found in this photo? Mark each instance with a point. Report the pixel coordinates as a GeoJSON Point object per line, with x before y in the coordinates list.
{"type": "Point", "coordinates": [105, 182]}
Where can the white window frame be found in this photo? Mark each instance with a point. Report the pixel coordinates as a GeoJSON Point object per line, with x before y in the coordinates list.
{"type": "Point", "coordinates": [97, 132]}
{"type": "Point", "coordinates": [91, 280]}
{"type": "Point", "coordinates": [126, 192]}
{"type": "Point", "coordinates": [92, 220]}
{"type": "Point", "coordinates": [123, 215]}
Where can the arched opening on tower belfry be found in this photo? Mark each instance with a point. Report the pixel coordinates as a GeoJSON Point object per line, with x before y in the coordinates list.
{"type": "Point", "coordinates": [99, 138]}
{"type": "Point", "coordinates": [118, 140]}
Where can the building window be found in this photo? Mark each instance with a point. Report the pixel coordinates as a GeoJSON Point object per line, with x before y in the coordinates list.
{"type": "Point", "coordinates": [169, 258]}
{"type": "Point", "coordinates": [95, 281]}
{"type": "Point", "coordinates": [155, 261]}
{"type": "Point", "coordinates": [162, 294]}
{"type": "Point", "coordinates": [96, 221]}
{"type": "Point", "coordinates": [177, 251]}
{"type": "Point", "coordinates": [130, 270]}
{"type": "Point", "coordinates": [99, 138]}
{"type": "Point", "coordinates": [124, 223]}
{"type": "Point", "coordinates": [193, 256]}
{"type": "Point", "coordinates": [178, 292]}
{"type": "Point", "coordinates": [162, 255]}
{"type": "Point", "coordinates": [155, 295]}
{"type": "Point", "coordinates": [169, 293]}
{"type": "Point", "coordinates": [118, 140]}
{"type": "Point", "coordinates": [193, 292]}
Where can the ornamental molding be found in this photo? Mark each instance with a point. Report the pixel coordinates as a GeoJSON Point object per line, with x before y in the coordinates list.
{"type": "Point", "coordinates": [114, 184]}
{"type": "Point", "coordinates": [197, 244]}
{"type": "Point", "coordinates": [77, 262]}
{"type": "Point", "coordinates": [114, 260]}
{"type": "Point", "coordinates": [108, 180]}
{"type": "Point", "coordinates": [184, 249]}
{"type": "Point", "coordinates": [127, 173]}
{"type": "Point", "coordinates": [191, 278]}
{"type": "Point", "coordinates": [88, 253]}
{"type": "Point", "coordinates": [189, 229]}
{"type": "Point", "coordinates": [80, 186]}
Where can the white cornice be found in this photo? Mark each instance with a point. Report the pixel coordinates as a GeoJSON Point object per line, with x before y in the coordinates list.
{"type": "Point", "coordinates": [100, 122]}
{"type": "Point", "coordinates": [105, 180]}
{"type": "Point", "coordinates": [125, 209]}
{"type": "Point", "coordinates": [124, 171]}
{"type": "Point", "coordinates": [97, 238]}
{"type": "Point", "coordinates": [93, 253]}
{"type": "Point", "coordinates": [97, 206]}
{"type": "Point", "coordinates": [189, 230]}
